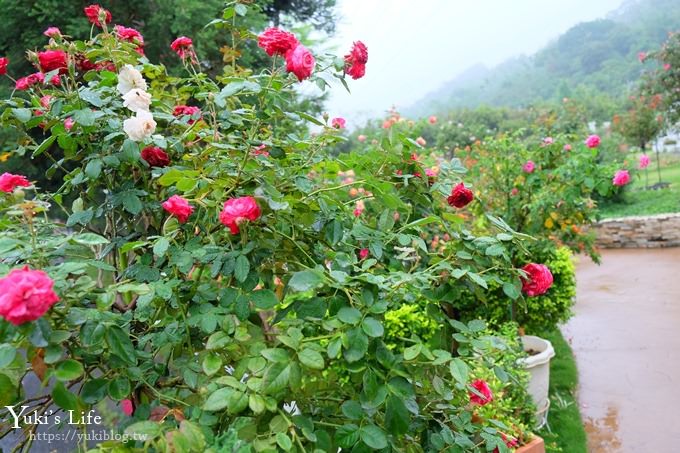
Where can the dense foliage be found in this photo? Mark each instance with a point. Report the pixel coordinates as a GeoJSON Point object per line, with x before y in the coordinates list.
{"type": "Point", "coordinates": [215, 273]}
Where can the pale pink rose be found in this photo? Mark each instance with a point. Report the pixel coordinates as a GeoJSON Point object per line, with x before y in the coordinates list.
{"type": "Point", "coordinates": [666, 66]}
{"type": "Point", "coordinates": [338, 123]}
{"type": "Point", "coordinates": [361, 138]}
{"type": "Point", "coordinates": [567, 147]}
{"type": "Point", "coordinates": [26, 295]}
{"type": "Point", "coordinates": [642, 56]}
{"type": "Point", "coordinates": [432, 119]}
{"type": "Point", "coordinates": [548, 141]}
{"type": "Point", "coordinates": [52, 32]}
{"type": "Point", "coordinates": [421, 141]}
{"type": "Point", "coordinates": [621, 178]}
{"type": "Point", "coordinates": [644, 161]}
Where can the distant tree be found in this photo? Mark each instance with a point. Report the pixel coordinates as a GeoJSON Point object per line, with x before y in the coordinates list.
{"type": "Point", "coordinates": [664, 79]}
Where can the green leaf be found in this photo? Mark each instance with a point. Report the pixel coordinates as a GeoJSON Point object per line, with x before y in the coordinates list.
{"type": "Point", "coordinates": [511, 290]}
{"type": "Point", "coordinates": [494, 250]}
{"type": "Point", "coordinates": [90, 239]}
{"type": "Point", "coordinates": [412, 352]}
{"type": "Point", "coordinates": [218, 400]}
{"type": "Point", "coordinates": [477, 279]}
{"type": "Point", "coordinates": [84, 117]}
{"type": "Point", "coordinates": [476, 325]}
{"type": "Point", "coordinates": [218, 340]}
{"type": "Point", "coordinates": [356, 344]}
{"type": "Point", "coordinates": [459, 370]}
{"type": "Point", "coordinates": [397, 419]}
{"type": "Point", "coordinates": [92, 97]}
{"type": "Point", "coordinates": [256, 404]}
{"type": "Point", "coordinates": [311, 359]}
{"type": "Point", "coordinates": [145, 430]}
{"type": "Point", "coordinates": [161, 246]}
{"type": "Point", "coordinates": [120, 345]}
{"type": "Point", "coordinates": [8, 391]}
{"type": "Point", "coordinates": [372, 327]}
{"type": "Point", "coordinates": [276, 355]}
{"type": "Point", "coordinates": [352, 410]}
{"type": "Point", "coordinates": [349, 315]}
{"type": "Point", "coordinates": [373, 436]}
{"type": "Point", "coordinates": [284, 441]}
{"type": "Point", "coordinates": [131, 202]}
{"type": "Point", "coordinates": [237, 402]}
{"type": "Point", "coordinates": [23, 115]}
{"type": "Point", "coordinates": [63, 398]}
{"type": "Point", "coordinates": [79, 217]}
{"type": "Point", "coordinates": [93, 390]}
{"type": "Point", "coordinates": [334, 347]}
{"type": "Point", "coordinates": [119, 388]}
{"type": "Point", "coordinates": [7, 354]}
{"type": "Point", "coordinates": [305, 280]}
{"type": "Point", "coordinates": [242, 268]}
{"type": "Point", "coordinates": [68, 370]}
{"type": "Point", "coordinates": [276, 377]}
{"type": "Point", "coordinates": [44, 145]}
{"type": "Point", "coordinates": [241, 9]}
{"type": "Point", "coordinates": [347, 435]}
{"type": "Point", "coordinates": [211, 364]}
{"type": "Point", "coordinates": [264, 299]}
{"type": "Point", "coordinates": [93, 169]}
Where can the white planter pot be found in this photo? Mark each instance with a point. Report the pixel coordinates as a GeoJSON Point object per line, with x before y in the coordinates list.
{"type": "Point", "coordinates": [539, 368]}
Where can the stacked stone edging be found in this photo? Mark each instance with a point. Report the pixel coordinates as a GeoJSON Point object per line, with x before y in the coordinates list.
{"type": "Point", "coordinates": [662, 230]}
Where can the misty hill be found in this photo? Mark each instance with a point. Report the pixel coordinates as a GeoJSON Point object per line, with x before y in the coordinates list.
{"type": "Point", "coordinates": [591, 59]}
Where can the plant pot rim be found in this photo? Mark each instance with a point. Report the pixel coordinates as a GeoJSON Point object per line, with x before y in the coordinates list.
{"type": "Point", "coordinates": [544, 347]}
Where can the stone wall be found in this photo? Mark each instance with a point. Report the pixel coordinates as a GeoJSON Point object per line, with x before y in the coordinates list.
{"type": "Point", "coordinates": [661, 230]}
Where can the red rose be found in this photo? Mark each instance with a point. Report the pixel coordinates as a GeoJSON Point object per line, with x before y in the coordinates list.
{"type": "Point", "coordinates": [277, 42]}
{"type": "Point", "coordinates": [187, 110]}
{"type": "Point", "coordinates": [9, 182]}
{"type": "Point", "coordinates": [179, 207]}
{"type": "Point", "coordinates": [483, 388]}
{"type": "Point", "coordinates": [363, 254]}
{"type": "Point", "coordinates": [95, 14]}
{"type": "Point", "coordinates": [51, 60]}
{"type": "Point", "coordinates": [26, 295]}
{"type": "Point", "coordinates": [4, 61]}
{"type": "Point", "coordinates": [356, 59]}
{"type": "Point", "coordinates": [184, 47]}
{"type": "Point", "coordinates": [237, 211]}
{"type": "Point", "coordinates": [128, 34]}
{"type": "Point", "coordinates": [128, 407]}
{"type": "Point", "coordinates": [460, 196]}
{"type": "Point", "coordinates": [27, 82]}
{"type": "Point", "coordinates": [83, 64]}
{"type": "Point", "coordinates": [155, 156]}
{"type": "Point", "coordinates": [538, 279]}
{"type": "Point", "coordinates": [300, 62]}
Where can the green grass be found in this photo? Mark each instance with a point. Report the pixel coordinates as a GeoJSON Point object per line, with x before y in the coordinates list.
{"type": "Point", "coordinates": [638, 201]}
{"type": "Point", "coordinates": [564, 432]}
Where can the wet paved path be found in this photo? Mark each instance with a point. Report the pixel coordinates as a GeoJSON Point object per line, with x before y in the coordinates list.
{"type": "Point", "coordinates": [626, 338]}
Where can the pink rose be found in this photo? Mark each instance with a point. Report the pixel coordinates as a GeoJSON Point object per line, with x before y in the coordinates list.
{"type": "Point", "coordinates": [179, 207]}
{"type": "Point", "coordinates": [4, 61]}
{"type": "Point", "coordinates": [593, 141]}
{"type": "Point", "coordinates": [387, 124]}
{"type": "Point", "coordinates": [548, 141]}
{"type": "Point", "coordinates": [356, 59]}
{"type": "Point", "coordinates": [29, 81]}
{"type": "Point", "coordinates": [363, 254]}
{"type": "Point", "coordinates": [238, 210]}
{"type": "Point", "coordinates": [644, 161]}
{"type": "Point", "coordinates": [184, 47]}
{"type": "Point", "coordinates": [128, 34]}
{"type": "Point", "coordinates": [338, 123]}
{"type": "Point", "coordinates": [52, 32]}
{"type": "Point", "coordinates": [25, 295]}
{"type": "Point", "coordinates": [432, 119]}
{"type": "Point", "coordinates": [300, 62]}
{"type": "Point", "coordinates": [155, 156]}
{"type": "Point", "coordinates": [460, 196]}
{"type": "Point", "coordinates": [96, 15]}
{"type": "Point", "coordinates": [9, 182]}
{"type": "Point", "coordinates": [127, 407]}
{"type": "Point", "coordinates": [666, 66]}
{"type": "Point", "coordinates": [45, 101]}
{"type": "Point", "coordinates": [567, 147]}
{"type": "Point", "coordinates": [482, 387]}
{"type": "Point", "coordinates": [621, 178]}
{"type": "Point", "coordinates": [261, 151]}
{"type": "Point", "coordinates": [528, 167]}
{"type": "Point", "coordinates": [642, 56]}
{"type": "Point", "coordinates": [538, 280]}
{"type": "Point", "coordinates": [361, 138]}
{"type": "Point", "coordinates": [275, 41]}
{"type": "Point", "coordinates": [68, 123]}
{"type": "Point", "coordinates": [421, 141]}
{"type": "Point", "coordinates": [514, 191]}
{"type": "Point", "coordinates": [431, 172]}
{"type": "Point", "coordinates": [187, 110]}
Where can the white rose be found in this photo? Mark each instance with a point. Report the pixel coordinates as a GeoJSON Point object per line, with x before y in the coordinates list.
{"type": "Point", "coordinates": [137, 100]}
{"type": "Point", "coordinates": [129, 78]}
{"type": "Point", "coordinates": [140, 126]}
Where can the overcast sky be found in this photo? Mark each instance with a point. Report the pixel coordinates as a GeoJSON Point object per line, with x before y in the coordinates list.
{"type": "Point", "coordinates": [415, 46]}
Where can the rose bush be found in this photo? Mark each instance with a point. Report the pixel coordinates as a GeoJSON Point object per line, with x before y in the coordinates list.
{"type": "Point", "coordinates": [215, 276]}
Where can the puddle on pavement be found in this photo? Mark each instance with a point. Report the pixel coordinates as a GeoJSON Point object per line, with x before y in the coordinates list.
{"type": "Point", "coordinates": [603, 432]}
